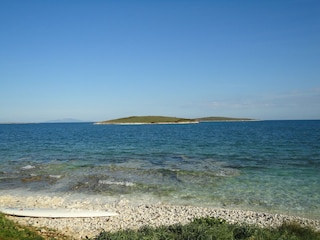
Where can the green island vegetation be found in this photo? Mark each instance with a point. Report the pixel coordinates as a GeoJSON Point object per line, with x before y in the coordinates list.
{"type": "Point", "coordinates": [148, 120]}
{"type": "Point", "coordinates": [168, 120]}
{"type": "Point", "coordinates": [202, 228]}
{"type": "Point", "coordinates": [218, 119]}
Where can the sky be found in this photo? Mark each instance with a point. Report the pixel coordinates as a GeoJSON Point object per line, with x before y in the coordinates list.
{"type": "Point", "coordinates": [103, 59]}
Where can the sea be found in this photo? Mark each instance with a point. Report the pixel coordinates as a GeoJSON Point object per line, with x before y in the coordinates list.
{"type": "Point", "coordinates": [266, 166]}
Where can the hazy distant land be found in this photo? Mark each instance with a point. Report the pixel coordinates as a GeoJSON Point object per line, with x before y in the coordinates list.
{"type": "Point", "coordinates": [167, 120]}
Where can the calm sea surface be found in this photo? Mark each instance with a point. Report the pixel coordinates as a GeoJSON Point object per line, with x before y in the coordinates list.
{"type": "Point", "coordinates": [271, 166]}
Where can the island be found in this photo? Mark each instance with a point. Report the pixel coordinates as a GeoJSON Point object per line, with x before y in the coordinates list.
{"type": "Point", "coordinates": [149, 120]}
{"type": "Point", "coordinates": [166, 120]}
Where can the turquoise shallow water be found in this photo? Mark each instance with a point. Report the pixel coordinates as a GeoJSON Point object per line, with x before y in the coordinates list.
{"type": "Point", "coordinates": [266, 165]}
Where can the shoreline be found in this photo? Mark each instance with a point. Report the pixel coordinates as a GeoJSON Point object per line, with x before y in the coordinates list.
{"type": "Point", "coordinates": [132, 215]}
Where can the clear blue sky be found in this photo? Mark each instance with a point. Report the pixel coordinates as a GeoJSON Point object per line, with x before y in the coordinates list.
{"type": "Point", "coordinates": [97, 60]}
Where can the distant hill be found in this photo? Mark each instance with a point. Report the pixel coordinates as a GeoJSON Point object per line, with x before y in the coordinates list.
{"type": "Point", "coordinates": [218, 119]}
{"type": "Point", "coordinates": [149, 120]}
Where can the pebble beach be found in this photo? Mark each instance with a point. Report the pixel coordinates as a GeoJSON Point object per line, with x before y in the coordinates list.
{"type": "Point", "coordinates": [132, 215]}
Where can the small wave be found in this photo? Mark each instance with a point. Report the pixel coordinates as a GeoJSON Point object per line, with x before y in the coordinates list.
{"type": "Point", "coordinates": [227, 173]}
{"type": "Point", "coordinates": [127, 184]}
{"type": "Point", "coordinates": [28, 167]}
{"type": "Point", "coordinates": [55, 176]}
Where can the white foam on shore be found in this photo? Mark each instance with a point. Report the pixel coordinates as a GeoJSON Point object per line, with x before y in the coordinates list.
{"type": "Point", "coordinates": [28, 167]}
{"type": "Point", "coordinates": [108, 182]}
{"type": "Point", "coordinates": [55, 176]}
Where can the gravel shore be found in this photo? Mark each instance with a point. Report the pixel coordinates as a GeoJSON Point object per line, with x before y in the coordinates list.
{"type": "Point", "coordinates": [132, 215]}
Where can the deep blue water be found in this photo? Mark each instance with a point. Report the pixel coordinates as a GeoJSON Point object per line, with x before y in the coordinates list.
{"type": "Point", "coordinates": [265, 165]}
